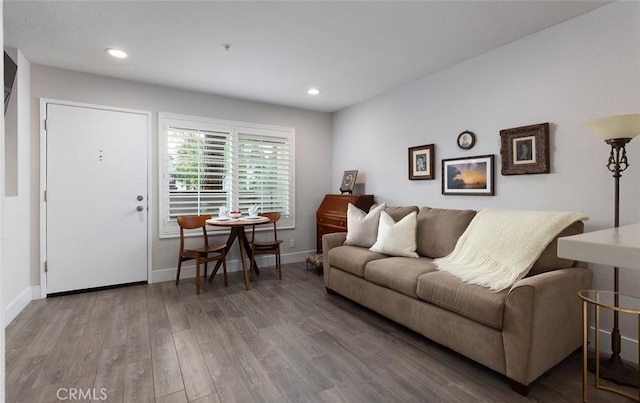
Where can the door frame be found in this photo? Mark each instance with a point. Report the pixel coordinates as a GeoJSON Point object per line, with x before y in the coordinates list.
{"type": "Point", "coordinates": [43, 180]}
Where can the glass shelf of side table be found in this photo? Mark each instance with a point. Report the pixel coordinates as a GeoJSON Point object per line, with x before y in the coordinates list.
{"type": "Point", "coordinates": [614, 302]}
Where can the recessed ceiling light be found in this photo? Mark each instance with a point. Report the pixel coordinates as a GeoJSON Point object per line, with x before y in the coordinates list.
{"type": "Point", "coordinates": [313, 91]}
{"type": "Point", "coordinates": [120, 54]}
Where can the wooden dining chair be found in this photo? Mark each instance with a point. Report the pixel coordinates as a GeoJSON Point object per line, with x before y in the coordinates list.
{"type": "Point", "coordinates": [202, 254]}
{"type": "Point", "coordinates": [269, 247]}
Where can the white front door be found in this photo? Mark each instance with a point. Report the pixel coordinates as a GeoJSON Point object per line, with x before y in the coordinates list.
{"type": "Point", "coordinates": [96, 197]}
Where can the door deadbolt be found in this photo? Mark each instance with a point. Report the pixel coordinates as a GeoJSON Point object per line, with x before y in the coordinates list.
{"type": "Point", "coordinates": [140, 198]}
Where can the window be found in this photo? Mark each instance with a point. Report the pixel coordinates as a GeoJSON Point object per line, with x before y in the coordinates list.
{"type": "Point", "coordinates": [206, 164]}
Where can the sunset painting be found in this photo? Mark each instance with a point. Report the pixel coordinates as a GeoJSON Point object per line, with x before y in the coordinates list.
{"type": "Point", "coordinates": [468, 176]}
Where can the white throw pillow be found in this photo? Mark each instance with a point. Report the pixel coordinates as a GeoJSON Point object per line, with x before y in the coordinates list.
{"type": "Point", "coordinates": [396, 238]}
{"type": "Point", "coordinates": [362, 228]}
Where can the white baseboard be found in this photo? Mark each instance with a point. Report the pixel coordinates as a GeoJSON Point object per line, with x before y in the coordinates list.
{"type": "Point", "coordinates": [159, 276]}
{"type": "Point", "coordinates": [628, 346]}
{"type": "Point", "coordinates": [17, 305]}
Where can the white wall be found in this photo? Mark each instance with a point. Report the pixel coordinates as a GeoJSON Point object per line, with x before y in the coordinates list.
{"type": "Point", "coordinates": [2, 228]}
{"type": "Point", "coordinates": [313, 145]}
{"type": "Point", "coordinates": [583, 69]}
{"type": "Point", "coordinates": [17, 290]}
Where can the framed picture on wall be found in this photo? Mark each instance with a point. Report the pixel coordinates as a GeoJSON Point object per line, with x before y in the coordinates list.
{"type": "Point", "coordinates": [472, 176]}
{"type": "Point", "coordinates": [525, 150]}
{"type": "Point", "coordinates": [466, 140]}
{"type": "Point", "coordinates": [421, 162]}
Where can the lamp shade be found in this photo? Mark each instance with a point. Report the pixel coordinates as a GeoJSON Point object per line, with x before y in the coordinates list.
{"type": "Point", "coordinates": [616, 127]}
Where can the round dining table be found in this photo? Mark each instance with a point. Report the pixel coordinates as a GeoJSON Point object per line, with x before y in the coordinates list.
{"type": "Point", "coordinates": [237, 226]}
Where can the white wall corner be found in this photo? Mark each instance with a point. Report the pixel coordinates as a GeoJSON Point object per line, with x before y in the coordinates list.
{"type": "Point", "coordinates": [17, 305]}
{"type": "Point", "coordinates": [2, 227]}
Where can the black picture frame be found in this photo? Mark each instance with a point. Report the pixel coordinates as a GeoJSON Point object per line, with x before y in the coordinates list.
{"type": "Point", "coordinates": [466, 140]}
{"type": "Point", "coordinates": [422, 162]}
{"type": "Point", "coordinates": [469, 176]}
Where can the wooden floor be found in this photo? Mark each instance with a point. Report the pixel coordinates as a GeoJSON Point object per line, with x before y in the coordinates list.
{"type": "Point", "coordinates": [282, 341]}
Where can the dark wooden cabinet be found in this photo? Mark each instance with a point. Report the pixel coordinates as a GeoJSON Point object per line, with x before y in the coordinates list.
{"type": "Point", "coordinates": [332, 213]}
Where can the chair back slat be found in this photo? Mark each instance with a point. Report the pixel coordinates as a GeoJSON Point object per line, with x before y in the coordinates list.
{"type": "Point", "coordinates": [193, 222]}
{"type": "Point", "coordinates": [273, 219]}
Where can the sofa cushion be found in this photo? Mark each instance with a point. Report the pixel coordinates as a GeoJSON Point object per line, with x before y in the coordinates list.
{"type": "Point", "coordinates": [352, 259]}
{"type": "Point", "coordinates": [549, 259]}
{"type": "Point", "coordinates": [472, 301]}
{"type": "Point", "coordinates": [398, 273]}
{"type": "Point", "coordinates": [396, 238]}
{"type": "Point", "coordinates": [439, 229]}
{"type": "Point", "coordinates": [398, 213]}
{"type": "Point", "coordinates": [362, 228]}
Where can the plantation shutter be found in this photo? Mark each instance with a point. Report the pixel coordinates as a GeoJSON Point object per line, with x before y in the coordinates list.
{"type": "Point", "coordinates": [198, 171]}
{"type": "Point", "coordinates": [207, 163]}
{"type": "Point", "coordinates": [265, 170]}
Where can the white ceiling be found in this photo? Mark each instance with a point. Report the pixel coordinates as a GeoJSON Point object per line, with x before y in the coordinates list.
{"type": "Point", "coordinates": [350, 50]}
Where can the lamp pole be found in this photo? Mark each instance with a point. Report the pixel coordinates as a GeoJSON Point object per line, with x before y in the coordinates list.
{"type": "Point", "coordinates": [614, 369]}
{"type": "Point", "coordinates": [616, 131]}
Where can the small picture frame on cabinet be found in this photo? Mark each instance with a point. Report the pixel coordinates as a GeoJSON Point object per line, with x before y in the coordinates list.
{"type": "Point", "coordinates": [348, 181]}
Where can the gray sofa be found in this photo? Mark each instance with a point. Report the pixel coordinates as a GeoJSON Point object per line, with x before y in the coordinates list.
{"type": "Point", "coordinates": [519, 332]}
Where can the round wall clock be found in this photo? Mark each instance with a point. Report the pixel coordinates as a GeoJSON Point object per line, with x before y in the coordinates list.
{"type": "Point", "coordinates": [466, 140]}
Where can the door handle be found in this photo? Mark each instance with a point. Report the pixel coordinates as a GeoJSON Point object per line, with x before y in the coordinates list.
{"type": "Point", "coordinates": [139, 208]}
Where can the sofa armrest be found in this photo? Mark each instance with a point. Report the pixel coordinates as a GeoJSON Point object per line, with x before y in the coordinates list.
{"type": "Point", "coordinates": [543, 321]}
{"type": "Point", "coordinates": [330, 241]}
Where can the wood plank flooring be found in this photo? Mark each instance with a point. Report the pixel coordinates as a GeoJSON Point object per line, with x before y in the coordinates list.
{"type": "Point", "coordinates": [282, 341]}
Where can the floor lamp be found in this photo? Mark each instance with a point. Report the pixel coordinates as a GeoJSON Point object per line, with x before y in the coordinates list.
{"type": "Point", "coordinates": [617, 131]}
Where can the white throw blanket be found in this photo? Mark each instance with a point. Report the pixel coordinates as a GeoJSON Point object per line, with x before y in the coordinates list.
{"type": "Point", "coordinates": [499, 247]}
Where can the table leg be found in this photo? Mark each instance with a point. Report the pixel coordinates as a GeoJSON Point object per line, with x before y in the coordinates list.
{"type": "Point", "coordinates": [244, 264]}
{"type": "Point", "coordinates": [243, 246]}
{"type": "Point", "coordinates": [232, 237]}
{"type": "Point", "coordinates": [585, 332]}
{"type": "Point", "coordinates": [247, 247]}
{"type": "Point", "coordinates": [597, 345]}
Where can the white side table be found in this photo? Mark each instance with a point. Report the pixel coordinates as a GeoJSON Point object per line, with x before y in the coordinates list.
{"type": "Point", "coordinates": [612, 301]}
{"type": "Point", "coordinates": [618, 247]}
